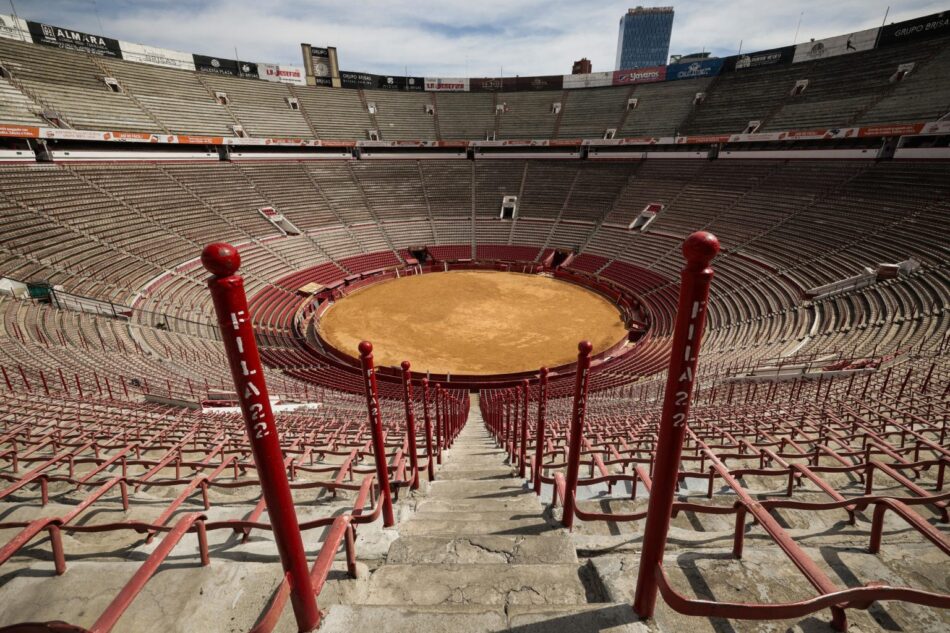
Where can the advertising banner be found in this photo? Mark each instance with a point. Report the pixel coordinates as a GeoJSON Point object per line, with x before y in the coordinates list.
{"type": "Point", "coordinates": [74, 40]}
{"type": "Point", "coordinates": [771, 57]}
{"type": "Point", "coordinates": [283, 73]}
{"type": "Point", "coordinates": [156, 56]}
{"type": "Point", "coordinates": [22, 131]}
{"type": "Point", "coordinates": [515, 84]}
{"type": "Point", "coordinates": [694, 70]}
{"type": "Point", "coordinates": [639, 75]}
{"type": "Point", "coordinates": [545, 82]}
{"type": "Point", "coordinates": [222, 66]}
{"type": "Point", "coordinates": [350, 79]}
{"type": "Point", "coordinates": [491, 84]}
{"type": "Point", "coordinates": [834, 46]}
{"type": "Point", "coordinates": [388, 82]}
{"type": "Point", "coordinates": [446, 84]}
{"type": "Point", "coordinates": [588, 80]}
{"type": "Point", "coordinates": [936, 25]}
{"type": "Point", "coordinates": [14, 28]}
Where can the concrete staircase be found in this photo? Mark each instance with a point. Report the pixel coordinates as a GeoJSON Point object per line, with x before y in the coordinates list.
{"type": "Point", "coordinates": [478, 555]}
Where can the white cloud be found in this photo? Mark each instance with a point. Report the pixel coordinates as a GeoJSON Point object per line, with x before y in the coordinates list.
{"type": "Point", "coordinates": [455, 37]}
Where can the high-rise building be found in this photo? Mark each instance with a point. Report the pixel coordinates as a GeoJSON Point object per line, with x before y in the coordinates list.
{"type": "Point", "coordinates": [644, 38]}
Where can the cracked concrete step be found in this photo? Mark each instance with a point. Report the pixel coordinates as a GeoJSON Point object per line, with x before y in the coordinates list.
{"type": "Point", "coordinates": [600, 618]}
{"type": "Point", "coordinates": [495, 585]}
{"type": "Point", "coordinates": [486, 549]}
{"type": "Point", "coordinates": [451, 523]}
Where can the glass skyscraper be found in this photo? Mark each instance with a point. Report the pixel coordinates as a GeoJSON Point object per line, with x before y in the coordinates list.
{"type": "Point", "coordinates": [644, 37]}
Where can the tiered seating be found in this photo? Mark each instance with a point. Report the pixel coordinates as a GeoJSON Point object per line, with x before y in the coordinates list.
{"type": "Point", "coordinates": [260, 106]}
{"type": "Point", "coordinates": [334, 114]}
{"type": "Point", "coordinates": [401, 115]}
{"type": "Point", "coordinates": [924, 95]}
{"type": "Point", "coordinates": [465, 116]}
{"type": "Point", "coordinates": [823, 105]}
{"type": "Point", "coordinates": [588, 113]}
{"type": "Point", "coordinates": [16, 107]}
{"type": "Point", "coordinates": [176, 98]}
{"type": "Point", "coordinates": [527, 115]}
{"type": "Point", "coordinates": [71, 84]}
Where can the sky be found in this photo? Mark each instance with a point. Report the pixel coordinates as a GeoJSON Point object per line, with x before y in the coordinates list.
{"type": "Point", "coordinates": [452, 38]}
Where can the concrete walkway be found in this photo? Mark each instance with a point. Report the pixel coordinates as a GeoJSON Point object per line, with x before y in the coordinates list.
{"type": "Point", "coordinates": [478, 555]}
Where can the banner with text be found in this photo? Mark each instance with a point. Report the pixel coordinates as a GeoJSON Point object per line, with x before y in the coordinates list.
{"type": "Point", "coordinates": [222, 66]}
{"type": "Point", "coordinates": [446, 84]}
{"type": "Point", "coordinates": [588, 80]}
{"type": "Point", "coordinates": [156, 56]}
{"type": "Point", "coordinates": [936, 25]}
{"type": "Point", "coordinates": [639, 75]}
{"type": "Point", "coordinates": [771, 57]}
{"type": "Point", "coordinates": [388, 82]}
{"type": "Point", "coordinates": [283, 73]}
{"type": "Point", "coordinates": [68, 39]}
{"type": "Point", "coordinates": [13, 28]}
{"type": "Point", "coordinates": [834, 46]}
{"type": "Point", "coordinates": [694, 70]}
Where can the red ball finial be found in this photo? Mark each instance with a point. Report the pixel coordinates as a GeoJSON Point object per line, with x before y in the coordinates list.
{"type": "Point", "coordinates": [544, 371]}
{"type": "Point", "coordinates": [221, 259]}
{"type": "Point", "coordinates": [585, 347]}
{"type": "Point", "coordinates": [366, 348]}
{"type": "Point", "coordinates": [405, 365]}
{"type": "Point", "coordinates": [700, 248]}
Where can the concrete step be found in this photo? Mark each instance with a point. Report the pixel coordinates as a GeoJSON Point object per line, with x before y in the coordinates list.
{"type": "Point", "coordinates": [527, 526]}
{"type": "Point", "coordinates": [521, 503]}
{"type": "Point", "coordinates": [475, 474]}
{"type": "Point", "coordinates": [486, 489]}
{"type": "Point", "coordinates": [485, 549]}
{"type": "Point", "coordinates": [600, 618]}
{"type": "Point", "coordinates": [495, 585]}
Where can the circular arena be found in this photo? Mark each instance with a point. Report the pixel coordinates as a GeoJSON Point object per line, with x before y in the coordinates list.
{"type": "Point", "coordinates": [654, 349]}
{"type": "Point", "coordinates": [473, 322]}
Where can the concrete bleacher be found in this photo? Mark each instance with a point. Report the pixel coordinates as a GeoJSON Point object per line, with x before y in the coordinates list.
{"type": "Point", "coordinates": [70, 86]}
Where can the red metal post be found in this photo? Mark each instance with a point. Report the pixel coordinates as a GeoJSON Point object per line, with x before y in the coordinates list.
{"type": "Point", "coordinates": [539, 438]}
{"type": "Point", "coordinates": [428, 425]}
{"type": "Point", "coordinates": [230, 304]}
{"type": "Point", "coordinates": [410, 424]}
{"type": "Point", "coordinates": [699, 249]}
{"type": "Point", "coordinates": [577, 429]}
{"type": "Point", "coordinates": [524, 428]}
{"type": "Point", "coordinates": [439, 422]}
{"type": "Point", "coordinates": [376, 429]}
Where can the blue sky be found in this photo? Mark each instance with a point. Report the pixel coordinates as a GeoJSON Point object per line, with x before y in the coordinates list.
{"type": "Point", "coordinates": [455, 37]}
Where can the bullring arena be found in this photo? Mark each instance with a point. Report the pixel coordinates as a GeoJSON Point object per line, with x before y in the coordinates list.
{"type": "Point", "coordinates": [652, 350]}
{"type": "Point", "coordinates": [474, 322]}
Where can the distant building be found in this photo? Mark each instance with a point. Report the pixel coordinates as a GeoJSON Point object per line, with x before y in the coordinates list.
{"type": "Point", "coordinates": [692, 57]}
{"type": "Point", "coordinates": [581, 67]}
{"type": "Point", "coordinates": [644, 38]}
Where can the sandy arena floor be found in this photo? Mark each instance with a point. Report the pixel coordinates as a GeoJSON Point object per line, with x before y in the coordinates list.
{"type": "Point", "coordinates": [473, 322]}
